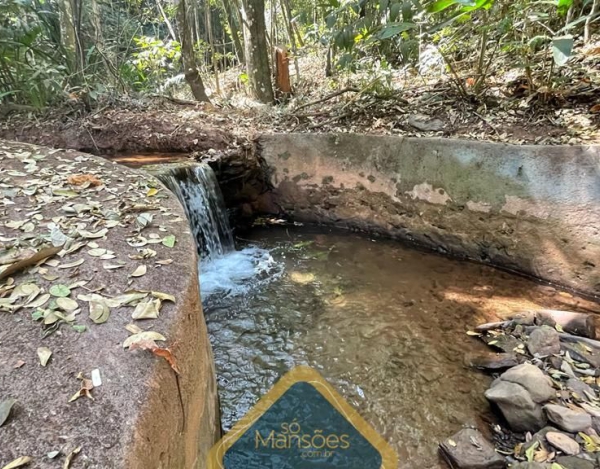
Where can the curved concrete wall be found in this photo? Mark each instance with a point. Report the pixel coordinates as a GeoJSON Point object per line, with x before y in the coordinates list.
{"type": "Point", "coordinates": [534, 209]}
{"type": "Point", "coordinates": [144, 415]}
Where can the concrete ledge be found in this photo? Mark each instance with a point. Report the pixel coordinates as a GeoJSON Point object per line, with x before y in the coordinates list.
{"type": "Point", "coordinates": [533, 209]}
{"type": "Point", "coordinates": [143, 415]}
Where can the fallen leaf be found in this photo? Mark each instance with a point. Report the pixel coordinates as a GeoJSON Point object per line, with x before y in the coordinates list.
{"type": "Point", "coordinates": [5, 407]}
{"type": "Point", "coordinates": [22, 461]}
{"type": "Point", "coordinates": [169, 241]}
{"type": "Point", "coordinates": [151, 192]}
{"type": "Point", "coordinates": [70, 457]}
{"type": "Point", "coordinates": [146, 335]}
{"type": "Point", "coordinates": [156, 350]}
{"type": "Point", "coordinates": [71, 264]}
{"type": "Point", "coordinates": [133, 328]}
{"type": "Point", "coordinates": [44, 353]}
{"type": "Point", "coordinates": [60, 290]}
{"type": "Point", "coordinates": [163, 296]}
{"type": "Point", "coordinates": [84, 390]}
{"type": "Point", "coordinates": [52, 454]}
{"type": "Point", "coordinates": [141, 270]}
{"type": "Point", "coordinates": [80, 179]}
{"type": "Point", "coordinates": [99, 312]}
{"type": "Point", "coordinates": [148, 310]}
{"type": "Point", "coordinates": [66, 304]}
{"type": "Point", "coordinates": [19, 364]}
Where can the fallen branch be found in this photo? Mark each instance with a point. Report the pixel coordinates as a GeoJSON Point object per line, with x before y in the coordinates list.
{"type": "Point", "coordinates": [328, 97]}
{"type": "Point", "coordinates": [184, 102]}
{"type": "Point", "coordinates": [22, 264]}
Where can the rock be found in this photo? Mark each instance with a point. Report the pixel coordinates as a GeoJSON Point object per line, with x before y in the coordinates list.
{"type": "Point", "coordinates": [515, 403]}
{"type": "Point", "coordinates": [539, 438]}
{"type": "Point", "coordinates": [567, 419]}
{"type": "Point", "coordinates": [544, 341]}
{"type": "Point", "coordinates": [530, 465]}
{"type": "Point", "coordinates": [596, 424]}
{"type": "Point", "coordinates": [468, 449]}
{"type": "Point", "coordinates": [563, 442]}
{"type": "Point", "coordinates": [426, 123]}
{"type": "Point", "coordinates": [580, 388]}
{"type": "Point", "coordinates": [533, 380]}
{"type": "Point", "coordinates": [572, 462]}
{"type": "Point", "coordinates": [492, 361]}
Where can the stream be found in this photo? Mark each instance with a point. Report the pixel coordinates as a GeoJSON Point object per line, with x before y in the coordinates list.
{"type": "Point", "coordinates": [384, 323]}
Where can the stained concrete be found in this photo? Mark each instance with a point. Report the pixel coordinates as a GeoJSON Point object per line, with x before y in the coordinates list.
{"type": "Point", "coordinates": [532, 209]}
{"type": "Point", "coordinates": [144, 415]}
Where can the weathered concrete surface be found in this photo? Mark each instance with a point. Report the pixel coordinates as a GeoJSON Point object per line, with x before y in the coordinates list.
{"type": "Point", "coordinates": [143, 415]}
{"type": "Point", "coordinates": [534, 209]}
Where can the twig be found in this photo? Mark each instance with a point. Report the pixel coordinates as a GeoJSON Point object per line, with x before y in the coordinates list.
{"type": "Point", "coordinates": [329, 121]}
{"type": "Point", "coordinates": [328, 97]}
{"type": "Point", "coordinates": [486, 121]}
{"type": "Point", "coordinates": [184, 102]}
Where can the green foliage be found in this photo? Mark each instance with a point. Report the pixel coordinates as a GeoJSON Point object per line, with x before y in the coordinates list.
{"type": "Point", "coordinates": [154, 61]}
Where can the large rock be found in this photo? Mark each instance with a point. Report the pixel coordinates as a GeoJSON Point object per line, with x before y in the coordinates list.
{"type": "Point", "coordinates": [530, 465]}
{"type": "Point", "coordinates": [573, 462]}
{"type": "Point", "coordinates": [533, 380]}
{"type": "Point", "coordinates": [582, 389]}
{"type": "Point", "coordinates": [517, 406]}
{"type": "Point", "coordinates": [563, 442]}
{"type": "Point", "coordinates": [567, 419]}
{"type": "Point", "coordinates": [468, 449]}
{"type": "Point", "coordinates": [543, 341]}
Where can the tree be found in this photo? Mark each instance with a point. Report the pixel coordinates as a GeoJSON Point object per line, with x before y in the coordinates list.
{"type": "Point", "coordinates": [192, 77]}
{"type": "Point", "coordinates": [257, 56]}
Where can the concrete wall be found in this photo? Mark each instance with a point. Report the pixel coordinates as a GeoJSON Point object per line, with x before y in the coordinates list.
{"type": "Point", "coordinates": [534, 209]}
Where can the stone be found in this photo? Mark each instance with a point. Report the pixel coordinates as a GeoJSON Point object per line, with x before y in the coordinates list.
{"type": "Point", "coordinates": [572, 462]}
{"type": "Point", "coordinates": [426, 123]}
{"type": "Point", "coordinates": [468, 449]}
{"type": "Point", "coordinates": [539, 438]}
{"type": "Point", "coordinates": [517, 407]}
{"type": "Point", "coordinates": [530, 465]}
{"type": "Point", "coordinates": [580, 388]}
{"type": "Point", "coordinates": [544, 341]}
{"type": "Point", "coordinates": [567, 419]}
{"type": "Point", "coordinates": [533, 380]}
{"type": "Point", "coordinates": [492, 361]}
{"type": "Point", "coordinates": [563, 442]}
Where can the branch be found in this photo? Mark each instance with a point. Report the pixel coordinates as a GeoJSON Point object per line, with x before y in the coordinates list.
{"type": "Point", "coordinates": [328, 97]}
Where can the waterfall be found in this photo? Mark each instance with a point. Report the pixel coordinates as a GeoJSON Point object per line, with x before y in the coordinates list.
{"type": "Point", "coordinates": [197, 189]}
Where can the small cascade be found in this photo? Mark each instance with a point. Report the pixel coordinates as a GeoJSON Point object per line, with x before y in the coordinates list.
{"type": "Point", "coordinates": [198, 191]}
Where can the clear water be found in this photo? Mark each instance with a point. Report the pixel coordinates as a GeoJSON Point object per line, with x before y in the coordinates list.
{"type": "Point", "coordinates": [383, 323]}
{"type": "Point", "coordinates": [198, 191]}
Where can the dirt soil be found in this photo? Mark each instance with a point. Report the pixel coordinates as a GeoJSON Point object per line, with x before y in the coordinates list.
{"type": "Point", "coordinates": [106, 231]}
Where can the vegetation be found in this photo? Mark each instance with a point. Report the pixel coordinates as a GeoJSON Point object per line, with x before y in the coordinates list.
{"type": "Point", "coordinates": [95, 50]}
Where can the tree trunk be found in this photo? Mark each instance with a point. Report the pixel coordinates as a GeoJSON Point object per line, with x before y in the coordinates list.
{"type": "Point", "coordinates": [166, 20]}
{"type": "Point", "coordinates": [287, 19]}
{"type": "Point", "coordinates": [257, 56]}
{"type": "Point", "coordinates": [192, 77]}
{"type": "Point", "coordinates": [588, 23]}
{"type": "Point", "coordinates": [67, 33]}
{"type": "Point", "coordinates": [282, 62]}
{"type": "Point", "coordinates": [211, 42]}
{"type": "Point", "coordinates": [233, 20]}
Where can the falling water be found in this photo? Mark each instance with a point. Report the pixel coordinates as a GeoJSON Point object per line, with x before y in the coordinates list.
{"type": "Point", "coordinates": [223, 270]}
{"type": "Point", "coordinates": [198, 191]}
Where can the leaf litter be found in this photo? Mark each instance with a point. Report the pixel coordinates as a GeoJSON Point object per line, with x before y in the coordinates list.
{"type": "Point", "coordinates": [47, 215]}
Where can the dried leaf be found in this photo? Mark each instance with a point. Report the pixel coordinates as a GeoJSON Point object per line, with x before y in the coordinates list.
{"type": "Point", "coordinates": [67, 304]}
{"type": "Point", "coordinates": [5, 407]}
{"type": "Point", "coordinates": [139, 271]}
{"type": "Point", "coordinates": [19, 462]}
{"type": "Point", "coordinates": [146, 335]}
{"type": "Point", "coordinates": [71, 264]}
{"type": "Point", "coordinates": [163, 296]}
{"type": "Point", "coordinates": [148, 310]}
{"type": "Point", "coordinates": [133, 328]}
{"type": "Point", "coordinates": [156, 350]}
{"type": "Point", "coordinates": [151, 192]}
{"type": "Point", "coordinates": [44, 353]}
{"type": "Point", "coordinates": [99, 312]}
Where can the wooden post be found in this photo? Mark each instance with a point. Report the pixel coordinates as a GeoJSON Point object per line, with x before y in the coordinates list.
{"type": "Point", "coordinates": [282, 62]}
